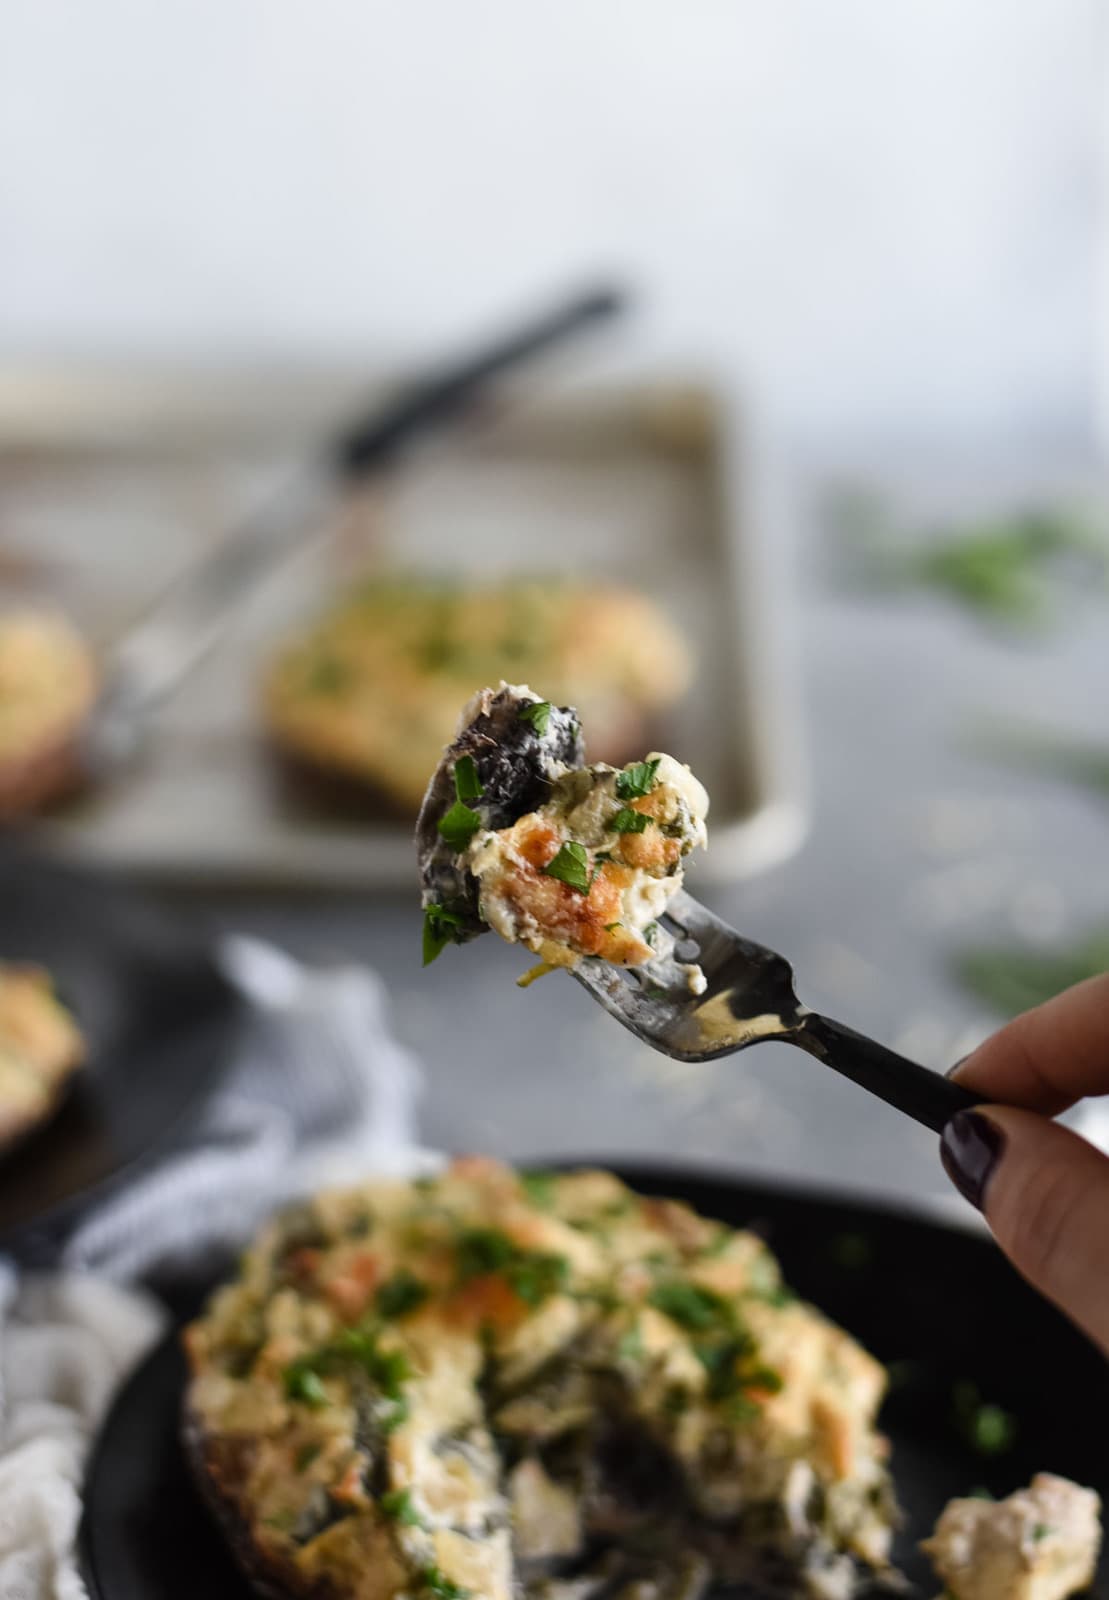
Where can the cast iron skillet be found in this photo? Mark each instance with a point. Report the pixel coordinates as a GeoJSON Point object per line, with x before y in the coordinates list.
{"type": "Point", "coordinates": [159, 1021]}
{"type": "Point", "coordinates": [943, 1305]}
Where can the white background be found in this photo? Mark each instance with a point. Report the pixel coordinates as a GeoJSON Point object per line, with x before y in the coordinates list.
{"type": "Point", "coordinates": [887, 211]}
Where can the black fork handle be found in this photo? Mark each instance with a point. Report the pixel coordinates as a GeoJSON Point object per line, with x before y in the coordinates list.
{"type": "Point", "coordinates": [925, 1096]}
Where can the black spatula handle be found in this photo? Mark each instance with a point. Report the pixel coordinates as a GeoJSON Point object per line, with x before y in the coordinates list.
{"type": "Point", "coordinates": [436, 398]}
{"type": "Point", "coordinates": [925, 1096]}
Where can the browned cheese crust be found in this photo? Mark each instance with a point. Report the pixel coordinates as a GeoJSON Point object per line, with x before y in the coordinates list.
{"type": "Point", "coordinates": [372, 689]}
{"type": "Point", "coordinates": [439, 1389]}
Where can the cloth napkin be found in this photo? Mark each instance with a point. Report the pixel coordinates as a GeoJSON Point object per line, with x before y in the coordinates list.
{"type": "Point", "coordinates": [321, 1093]}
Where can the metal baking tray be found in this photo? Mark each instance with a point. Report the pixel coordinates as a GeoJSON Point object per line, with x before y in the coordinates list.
{"type": "Point", "coordinates": [111, 483]}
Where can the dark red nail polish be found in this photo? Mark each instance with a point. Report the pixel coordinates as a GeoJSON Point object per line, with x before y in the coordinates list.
{"type": "Point", "coordinates": [970, 1149]}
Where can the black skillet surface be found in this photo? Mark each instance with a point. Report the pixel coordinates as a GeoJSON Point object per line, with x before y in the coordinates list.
{"type": "Point", "coordinates": [943, 1305]}
{"type": "Point", "coordinates": [159, 1022]}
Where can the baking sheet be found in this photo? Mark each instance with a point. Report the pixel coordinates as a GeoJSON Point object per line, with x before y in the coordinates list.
{"type": "Point", "coordinates": [110, 486]}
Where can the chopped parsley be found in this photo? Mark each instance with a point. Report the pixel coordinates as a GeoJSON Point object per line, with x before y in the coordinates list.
{"type": "Point", "coordinates": [987, 1428]}
{"type": "Point", "coordinates": [741, 1408]}
{"type": "Point", "coordinates": [386, 1370]}
{"type": "Point", "coordinates": [1042, 1530]}
{"type": "Point", "coordinates": [467, 784]}
{"type": "Point", "coordinates": [533, 1275]}
{"type": "Point", "coordinates": [433, 1580]}
{"type": "Point", "coordinates": [306, 1455]}
{"type": "Point", "coordinates": [651, 933]}
{"type": "Point", "coordinates": [636, 780]}
{"type": "Point", "coordinates": [302, 1382]}
{"type": "Point", "coordinates": [571, 866]}
{"type": "Point", "coordinates": [724, 1347]}
{"type": "Point", "coordinates": [397, 1504]}
{"type": "Point", "coordinates": [400, 1294]}
{"type": "Point", "coordinates": [720, 1362]}
{"type": "Point", "coordinates": [539, 1188]}
{"type": "Point", "coordinates": [441, 928]}
{"type": "Point", "coordinates": [628, 821]}
{"type": "Point", "coordinates": [691, 1305]}
{"type": "Point", "coordinates": [458, 826]}
{"type": "Point", "coordinates": [538, 714]}
{"type": "Point", "coordinates": [611, 927]}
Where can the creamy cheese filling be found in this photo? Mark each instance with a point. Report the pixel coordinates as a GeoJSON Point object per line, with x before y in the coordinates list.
{"type": "Point", "coordinates": [593, 870]}
{"type": "Point", "coordinates": [1040, 1543]}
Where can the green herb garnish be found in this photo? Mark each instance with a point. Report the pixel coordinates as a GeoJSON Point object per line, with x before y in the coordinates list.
{"type": "Point", "coordinates": [441, 928]}
{"type": "Point", "coordinates": [987, 1428]}
{"type": "Point", "coordinates": [397, 1504]}
{"type": "Point", "coordinates": [741, 1408]}
{"type": "Point", "coordinates": [302, 1382]}
{"type": "Point", "coordinates": [721, 1362]}
{"type": "Point", "coordinates": [636, 780]}
{"type": "Point", "coordinates": [306, 1455]}
{"type": "Point", "coordinates": [467, 784]}
{"type": "Point", "coordinates": [691, 1305]}
{"type": "Point", "coordinates": [611, 927]}
{"type": "Point", "coordinates": [651, 933]}
{"type": "Point", "coordinates": [400, 1294]}
{"type": "Point", "coordinates": [458, 826]}
{"type": "Point", "coordinates": [538, 714]}
{"type": "Point", "coordinates": [629, 821]}
{"type": "Point", "coordinates": [1041, 1531]}
{"type": "Point", "coordinates": [539, 1188]}
{"type": "Point", "coordinates": [433, 1580]}
{"type": "Point", "coordinates": [1012, 980]}
{"type": "Point", "coordinates": [386, 1370]}
{"type": "Point", "coordinates": [531, 1274]}
{"type": "Point", "coordinates": [571, 866]}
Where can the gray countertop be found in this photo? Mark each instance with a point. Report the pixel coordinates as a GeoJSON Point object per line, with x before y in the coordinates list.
{"type": "Point", "coordinates": [918, 845]}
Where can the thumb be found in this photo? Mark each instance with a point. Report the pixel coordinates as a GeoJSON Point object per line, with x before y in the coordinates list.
{"type": "Point", "coordinates": [1045, 1194]}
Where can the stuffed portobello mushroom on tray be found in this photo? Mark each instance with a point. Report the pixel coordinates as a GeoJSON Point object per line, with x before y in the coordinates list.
{"type": "Point", "coordinates": [369, 693]}
{"type": "Point", "coordinates": [497, 1384]}
{"type": "Point", "coordinates": [41, 1047]}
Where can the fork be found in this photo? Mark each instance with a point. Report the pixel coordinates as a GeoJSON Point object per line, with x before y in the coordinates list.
{"type": "Point", "coordinates": [750, 997]}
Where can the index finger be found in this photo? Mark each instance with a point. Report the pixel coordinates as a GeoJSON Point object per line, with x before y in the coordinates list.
{"type": "Point", "coordinates": [1047, 1058]}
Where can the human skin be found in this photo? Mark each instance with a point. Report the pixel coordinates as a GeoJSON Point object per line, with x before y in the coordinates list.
{"type": "Point", "coordinates": [1043, 1189]}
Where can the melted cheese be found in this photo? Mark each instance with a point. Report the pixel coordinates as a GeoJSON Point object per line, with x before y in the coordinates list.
{"type": "Point", "coordinates": [631, 876]}
{"type": "Point", "coordinates": [1040, 1543]}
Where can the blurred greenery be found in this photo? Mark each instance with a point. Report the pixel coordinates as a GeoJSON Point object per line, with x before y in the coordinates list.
{"type": "Point", "coordinates": [1045, 754]}
{"type": "Point", "coordinates": [1015, 569]}
{"type": "Point", "coordinates": [1010, 979]}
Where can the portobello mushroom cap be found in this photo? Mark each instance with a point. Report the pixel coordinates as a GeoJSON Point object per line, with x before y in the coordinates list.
{"type": "Point", "coordinates": [516, 766]}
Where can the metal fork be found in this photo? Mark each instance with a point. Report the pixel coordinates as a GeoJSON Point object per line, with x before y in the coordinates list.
{"type": "Point", "coordinates": [750, 997]}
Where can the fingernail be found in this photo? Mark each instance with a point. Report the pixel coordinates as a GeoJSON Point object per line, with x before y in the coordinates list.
{"type": "Point", "coordinates": [970, 1149]}
{"type": "Point", "coordinates": [951, 1071]}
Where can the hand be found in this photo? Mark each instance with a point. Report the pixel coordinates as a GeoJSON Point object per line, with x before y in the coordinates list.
{"type": "Point", "coordinates": [1044, 1190]}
